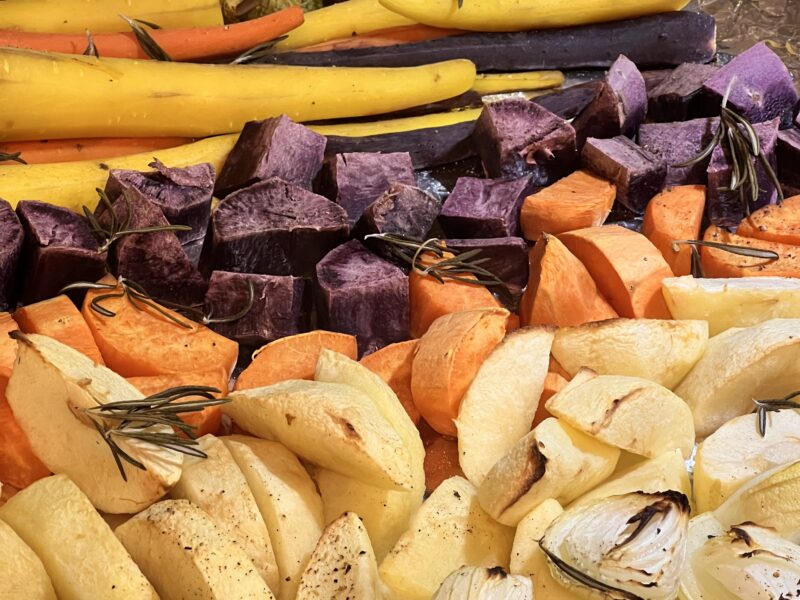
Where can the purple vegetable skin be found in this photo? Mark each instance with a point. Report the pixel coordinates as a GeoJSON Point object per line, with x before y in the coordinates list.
{"type": "Point", "coordinates": [789, 157]}
{"type": "Point", "coordinates": [677, 143]}
{"type": "Point", "coordinates": [403, 210]}
{"type": "Point", "coordinates": [11, 237]}
{"type": "Point", "coordinates": [678, 96]}
{"type": "Point", "coordinates": [507, 258]}
{"type": "Point", "coordinates": [570, 102]}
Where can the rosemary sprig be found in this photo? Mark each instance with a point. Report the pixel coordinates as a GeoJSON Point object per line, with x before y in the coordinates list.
{"type": "Point", "coordinates": [91, 49]}
{"type": "Point", "coordinates": [13, 156]}
{"type": "Point", "coordinates": [117, 229]}
{"type": "Point", "coordinates": [146, 41]}
{"type": "Point", "coordinates": [765, 406]}
{"type": "Point", "coordinates": [257, 52]}
{"type": "Point", "coordinates": [697, 268]}
{"type": "Point", "coordinates": [140, 420]}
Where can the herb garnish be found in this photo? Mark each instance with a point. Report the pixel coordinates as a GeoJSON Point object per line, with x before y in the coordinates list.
{"type": "Point", "coordinates": [257, 52]}
{"type": "Point", "coordinates": [14, 156]}
{"type": "Point", "coordinates": [91, 49]}
{"type": "Point", "coordinates": [765, 406]}
{"type": "Point", "coordinates": [146, 41]}
{"type": "Point", "coordinates": [697, 268]}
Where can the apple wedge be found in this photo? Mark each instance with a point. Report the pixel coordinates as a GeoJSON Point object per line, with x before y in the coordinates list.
{"type": "Point", "coordinates": [501, 401]}
{"type": "Point", "coordinates": [552, 461]}
{"type": "Point", "coordinates": [450, 530]}
{"type": "Point", "coordinates": [23, 573]}
{"type": "Point", "coordinates": [288, 501]}
{"type": "Point", "coordinates": [726, 303]}
{"type": "Point", "coordinates": [50, 384]}
{"type": "Point", "coordinates": [755, 363]}
{"type": "Point", "coordinates": [656, 349]}
{"type": "Point", "coordinates": [630, 413]}
{"type": "Point", "coordinates": [342, 564]}
{"type": "Point", "coordinates": [329, 424]}
{"type": "Point", "coordinates": [185, 555]}
{"type": "Point", "coordinates": [58, 522]}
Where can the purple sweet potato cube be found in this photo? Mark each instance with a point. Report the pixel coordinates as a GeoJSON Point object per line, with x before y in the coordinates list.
{"type": "Point", "coordinates": [359, 293]}
{"type": "Point", "coordinates": [762, 86]}
{"type": "Point", "coordinates": [570, 102]}
{"type": "Point", "coordinates": [638, 174]}
{"type": "Point", "coordinates": [59, 249]}
{"type": "Point", "coordinates": [678, 96]}
{"type": "Point", "coordinates": [628, 84]}
{"type": "Point", "coordinates": [516, 137]}
{"type": "Point", "coordinates": [403, 210]}
{"type": "Point", "coordinates": [276, 147]}
{"type": "Point", "coordinates": [275, 228]}
{"type": "Point", "coordinates": [654, 77]}
{"type": "Point", "coordinates": [789, 157]}
{"type": "Point", "coordinates": [507, 258]}
{"type": "Point", "coordinates": [354, 180]}
{"type": "Point", "coordinates": [725, 207]}
{"type": "Point", "coordinates": [677, 143]}
{"type": "Point", "coordinates": [480, 208]}
{"type": "Point", "coordinates": [279, 308]}
{"type": "Point", "coordinates": [11, 237]}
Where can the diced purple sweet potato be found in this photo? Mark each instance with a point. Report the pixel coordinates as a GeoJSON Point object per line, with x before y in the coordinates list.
{"type": "Point", "coordinates": [402, 209]}
{"type": "Point", "coordinates": [280, 307]}
{"type": "Point", "coordinates": [516, 137]}
{"type": "Point", "coordinates": [678, 96]}
{"type": "Point", "coordinates": [600, 119]}
{"type": "Point", "coordinates": [59, 249]}
{"type": "Point", "coordinates": [638, 174]}
{"type": "Point", "coordinates": [276, 147]}
{"type": "Point", "coordinates": [654, 77]}
{"type": "Point", "coordinates": [507, 258]}
{"type": "Point", "coordinates": [762, 86]}
{"type": "Point", "coordinates": [789, 157]}
{"type": "Point", "coordinates": [677, 143]}
{"type": "Point", "coordinates": [479, 208]}
{"type": "Point", "coordinates": [11, 237]}
{"type": "Point", "coordinates": [355, 180]}
{"type": "Point", "coordinates": [275, 228]}
{"type": "Point", "coordinates": [725, 207]}
{"type": "Point", "coordinates": [359, 293]}
{"type": "Point", "coordinates": [570, 102]}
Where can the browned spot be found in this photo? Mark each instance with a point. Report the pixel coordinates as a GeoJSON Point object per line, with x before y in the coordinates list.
{"type": "Point", "coordinates": [289, 418]}
{"type": "Point", "coordinates": [608, 417]}
{"type": "Point", "coordinates": [348, 428]}
{"type": "Point", "coordinates": [165, 94]}
{"type": "Point", "coordinates": [534, 470]}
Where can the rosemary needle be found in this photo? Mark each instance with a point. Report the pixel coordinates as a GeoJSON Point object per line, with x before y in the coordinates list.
{"type": "Point", "coordinates": [91, 49]}
{"type": "Point", "coordinates": [13, 156]}
{"type": "Point", "coordinates": [146, 41]}
{"type": "Point", "coordinates": [765, 406]}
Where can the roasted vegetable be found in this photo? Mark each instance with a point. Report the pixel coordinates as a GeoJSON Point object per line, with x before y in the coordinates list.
{"type": "Point", "coordinates": [678, 96]}
{"type": "Point", "coordinates": [570, 102]}
{"type": "Point", "coordinates": [11, 238]}
{"type": "Point", "coordinates": [760, 258]}
{"type": "Point", "coordinates": [474, 583]}
{"type": "Point", "coordinates": [505, 257]}
{"type": "Point", "coordinates": [675, 214]}
{"type": "Point", "coordinates": [402, 209]}
{"type": "Point", "coordinates": [788, 154]}
{"type": "Point", "coordinates": [484, 207]}
{"type": "Point", "coordinates": [678, 143]}
{"type": "Point", "coordinates": [779, 223]}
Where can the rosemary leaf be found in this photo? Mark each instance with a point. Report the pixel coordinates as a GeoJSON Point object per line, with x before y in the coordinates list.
{"type": "Point", "coordinates": [257, 52]}
{"type": "Point", "coordinates": [146, 41]}
{"type": "Point", "coordinates": [765, 406]}
{"type": "Point", "coordinates": [12, 156]}
{"type": "Point", "coordinates": [739, 250]}
{"type": "Point", "coordinates": [91, 49]}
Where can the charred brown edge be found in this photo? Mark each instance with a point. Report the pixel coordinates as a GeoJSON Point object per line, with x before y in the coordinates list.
{"type": "Point", "coordinates": [535, 468]}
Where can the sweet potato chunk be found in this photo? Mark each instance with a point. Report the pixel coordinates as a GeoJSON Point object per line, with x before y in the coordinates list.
{"type": "Point", "coordinates": [779, 223]}
{"type": "Point", "coordinates": [718, 263]}
{"type": "Point", "coordinates": [393, 363]}
{"type": "Point", "coordinates": [675, 214]}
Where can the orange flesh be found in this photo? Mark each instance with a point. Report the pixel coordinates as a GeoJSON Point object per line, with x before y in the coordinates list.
{"type": "Point", "coordinates": [675, 214]}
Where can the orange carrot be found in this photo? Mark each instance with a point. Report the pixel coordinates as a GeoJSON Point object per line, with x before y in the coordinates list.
{"type": "Point", "coordinates": [430, 299]}
{"type": "Point", "coordinates": [441, 457]}
{"type": "Point", "coordinates": [393, 364]}
{"type": "Point", "coordinates": [560, 290]}
{"type": "Point", "coordinates": [773, 223]}
{"type": "Point", "coordinates": [138, 342]}
{"type": "Point", "coordinates": [626, 266]}
{"type": "Point", "coordinates": [293, 357]}
{"type": "Point", "coordinates": [675, 214]}
{"type": "Point", "coordinates": [59, 319]}
{"type": "Point", "coordinates": [205, 421]}
{"type": "Point", "coordinates": [447, 359]}
{"type": "Point", "coordinates": [56, 151]}
{"type": "Point", "coordinates": [181, 44]}
{"type": "Point", "coordinates": [384, 37]}
{"type": "Point", "coordinates": [579, 200]}
{"type": "Point", "coordinates": [8, 347]}
{"type": "Point", "coordinates": [553, 383]}
{"type": "Point", "coordinates": [718, 263]}
{"type": "Point", "coordinates": [19, 466]}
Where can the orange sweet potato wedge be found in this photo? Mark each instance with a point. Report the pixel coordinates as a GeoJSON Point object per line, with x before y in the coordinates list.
{"type": "Point", "coordinates": [719, 263]}
{"type": "Point", "coordinates": [8, 347]}
{"type": "Point", "coordinates": [579, 200]}
{"type": "Point", "coordinates": [447, 359]}
{"type": "Point", "coordinates": [441, 457]}
{"type": "Point", "coordinates": [774, 223]}
{"type": "Point", "coordinates": [61, 320]}
{"type": "Point", "coordinates": [560, 290]}
{"type": "Point", "coordinates": [393, 364]}
{"type": "Point", "coordinates": [626, 266]}
{"type": "Point", "coordinates": [675, 214]}
{"type": "Point", "coordinates": [19, 466]}
{"type": "Point", "coordinates": [293, 357]}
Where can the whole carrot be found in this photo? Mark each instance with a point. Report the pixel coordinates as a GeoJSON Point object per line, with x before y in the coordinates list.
{"type": "Point", "coordinates": [59, 151]}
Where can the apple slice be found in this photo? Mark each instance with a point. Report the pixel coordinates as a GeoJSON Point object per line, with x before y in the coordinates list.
{"type": "Point", "coordinates": [23, 573]}
{"type": "Point", "coordinates": [49, 386]}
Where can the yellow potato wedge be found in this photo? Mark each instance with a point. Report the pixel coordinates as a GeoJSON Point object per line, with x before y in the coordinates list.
{"type": "Point", "coordinates": [342, 564]}
{"type": "Point", "coordinates": [759, 362]}
{"type": "Point", "coordinates": [185, 555]}
{"type": "Point", "coordinates": [449, 531]}
{"type": "Point", "coordinates": [726, 303]}
{"type": "Point", "coordinates": [58, 522]}
{"type": "Point", "coordinates": [329, 424]}
{"type": "Point", "coordinates": [552, 461]}
{"type": "Point", "coordinates": [501, 401]}
{"type": "Point", "coordinates": [24, 575]}
{"type": "Point", "coordinates": [288, 501]}
{"type": "Point", "coordinates": [656, 349]}
{"type": "Point", "coordinates": [630, 413]}
{"type": "Point", "coordinates": [48, 387]}
{"type": "Point", "coordinates": [702, 528]}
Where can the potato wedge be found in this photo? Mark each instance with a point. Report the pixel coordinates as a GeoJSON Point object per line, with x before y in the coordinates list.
{"type": "Point", "coordinates": [552, 461]}
{"type": "Point", "coordinates": [449, 531]}
{"type": "Point", "coordinates": [329, 424]}
{"type": "Point", "coordinates": [216, 485]}
{"type": "Point", "coordinates": [342, 565]}
{"type": "Point", "coordinates": [759, 362]}
{"type": "Point", "coordinates": [185, 555]}
{"type": "Point", "coordinates": [501, 401]}
{"type": "Point", "coordinates": [630, 413]}
{"type": "Point", "coordinates": [288, 502]}
{"type": "Point", "coordinates": [656, 349]}
{"type": "Point", "coordinates": [23, 573]}
{"type": "Point", "coordinates": [702, 528]}
{"type": "Point", "coordinates": [726, 303]}
{"type": "Point", "coordinates": [58, 522]}
{"type": "Point", "coordinates": [736, 452]}
{"type": "Point", "coordinates": [49, 385]}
